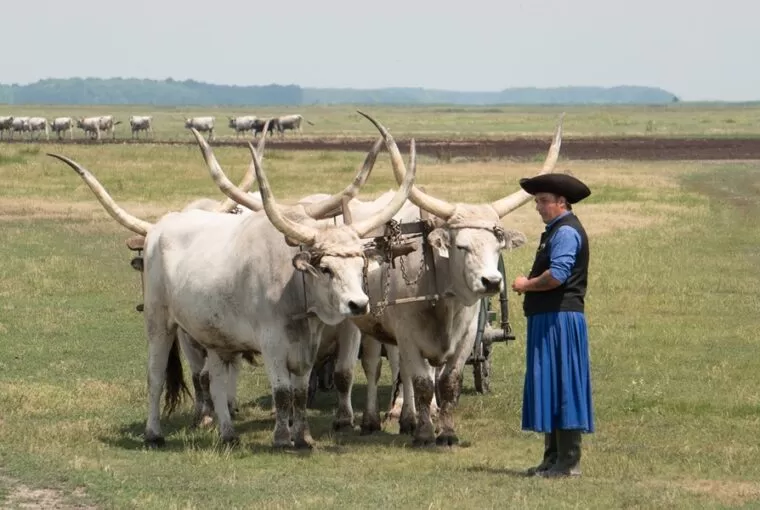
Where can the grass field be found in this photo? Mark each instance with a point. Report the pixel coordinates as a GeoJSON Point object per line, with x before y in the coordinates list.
{"type": "Point", "coordinates": [672, 310]}
{"type": "Point", "coordinates": [679, 120]}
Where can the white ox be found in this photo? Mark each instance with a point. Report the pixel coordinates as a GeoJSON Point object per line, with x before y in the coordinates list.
{"type": "Point", "coordinates": [202, 124]}
{"type": "Point", "coordinates": [141, 123]}
{"type": "Point", "coordinates": [244, 298]}
{"type": "Point", "coordinates": [60, 125]}
{"type": "Point", "coordinates": [466, 242]}
{"type": "Point", "coordinates": [94, 126]}
{"type": "Point", "coordinates": [38, 125]}
{"type": "Point", "coordinates": [292, 122]}
{"type": "Point", "coordinates": [243, 124]}
{"type": "Point", "coordinates": [5, 125]}
{"type": "Point", "coordinates": [19, 125]}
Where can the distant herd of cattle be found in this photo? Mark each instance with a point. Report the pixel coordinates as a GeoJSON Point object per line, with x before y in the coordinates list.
{"type": "Point", "coordinates": [93, 127]}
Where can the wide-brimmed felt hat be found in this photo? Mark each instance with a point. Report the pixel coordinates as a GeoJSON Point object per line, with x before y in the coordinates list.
{"type": "Point", "coordinates": [560, 184]}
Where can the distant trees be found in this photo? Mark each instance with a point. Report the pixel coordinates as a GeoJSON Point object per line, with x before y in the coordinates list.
{"type": "Point", "coordinates": [170, 92]}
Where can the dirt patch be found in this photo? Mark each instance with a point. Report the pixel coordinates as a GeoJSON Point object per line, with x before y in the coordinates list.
{"type": "Point", "coordinates": [23, 496]}
{"type": "Point", "coordinates": [726, 492]}
{"type": "Point", "coordinates": [633, 148]}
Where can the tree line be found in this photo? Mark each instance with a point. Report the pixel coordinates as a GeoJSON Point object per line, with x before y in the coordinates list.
{"type": "Point", "coordinates": [169, 92]}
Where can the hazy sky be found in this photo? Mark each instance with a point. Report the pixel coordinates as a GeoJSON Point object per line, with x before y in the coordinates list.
{"type": "Point", "coordinates": [697, 49]}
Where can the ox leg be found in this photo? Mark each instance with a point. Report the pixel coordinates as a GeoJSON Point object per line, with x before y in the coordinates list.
{"type": "Point", "coordinates": [407, 420]}
{"type": "Point", "coordinates": [450, 385]}
{"type": "Point", "coordinates": [196, 358]}
{"type": "Point", "coordinates": [416, 368]}
{"type": "Point", "coordinates": [279, 378]}
{"type": "Point", "coordinates": [349, 339]}
{"type": "Point", "coordinates": [397, 399]}
{"type": "Point", "coordinates": [160, 341]}
{"type": "Point", "coordinates": [233, 369]}
{"type": "Point", "coordinates": [371, 363]}
{"type": "Point", "coordinates": [217, 369]}
{"type": "Point", "coordinates": [301, 432]}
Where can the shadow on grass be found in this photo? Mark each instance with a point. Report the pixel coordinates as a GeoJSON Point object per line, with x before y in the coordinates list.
{"type": "Point", "coordinates": [516, 473]}
{"type": "Point", "coordinates": [180, 436]}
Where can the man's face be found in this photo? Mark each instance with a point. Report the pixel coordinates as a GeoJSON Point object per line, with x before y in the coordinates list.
{"type": "Point", "coordinates": [549, 206]}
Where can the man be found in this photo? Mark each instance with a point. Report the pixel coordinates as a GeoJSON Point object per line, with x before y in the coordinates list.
{"type": "Point", "coordinates": [557, 392]}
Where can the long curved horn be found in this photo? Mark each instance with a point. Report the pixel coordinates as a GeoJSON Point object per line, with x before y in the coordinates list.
{"type": "Point", "coordinates": [133, 223]}
{"type": "Point", "coordinates": [248, 179]}
{"type": "Point", "coordinates": [435, 206]}
{"type": "Point", "coordinates": [301, 233]}
{"type": "Point", "coordinates": [221, 180]}
{"type": "Point", "coordinates": [322, 209]}
{"type": "Point", "coordinates": [511, 202]}
{"type": "Point", "coordinates": [395, 204]}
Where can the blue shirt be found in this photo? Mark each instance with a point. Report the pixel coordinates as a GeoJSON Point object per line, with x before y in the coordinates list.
{"type": "Point", "coordinates": [565, 245]}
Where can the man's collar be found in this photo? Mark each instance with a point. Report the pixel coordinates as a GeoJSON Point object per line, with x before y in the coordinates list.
{"type": "Point", "coordinates": [549, 225]}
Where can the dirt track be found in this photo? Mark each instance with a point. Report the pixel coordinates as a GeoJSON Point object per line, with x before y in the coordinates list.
{"type": "Point", "coordinates": [522, 148]}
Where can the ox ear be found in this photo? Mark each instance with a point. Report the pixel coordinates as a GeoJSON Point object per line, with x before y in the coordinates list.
{"type": "Point", "coordinates": [439, 239]}
{"type": "Point", "coordinates": [513, 239]}
{"type": "Point", "coordinates": [291, 242]}
{"type": "Point", "coordinates": [302, 262]}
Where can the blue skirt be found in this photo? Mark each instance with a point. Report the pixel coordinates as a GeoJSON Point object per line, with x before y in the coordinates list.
{"type": "Point", "coordinates": [557, 393]}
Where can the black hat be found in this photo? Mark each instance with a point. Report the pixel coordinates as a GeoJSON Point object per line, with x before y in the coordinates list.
{"type": "Point", "coordinates": [560, 184]}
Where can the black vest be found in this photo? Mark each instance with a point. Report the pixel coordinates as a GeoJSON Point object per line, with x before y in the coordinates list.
{"type": "Point", "coordinates": [569, 296]}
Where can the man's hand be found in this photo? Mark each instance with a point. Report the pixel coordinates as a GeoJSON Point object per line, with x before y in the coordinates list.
{"type": "Point", "coordinates": [520, 284]}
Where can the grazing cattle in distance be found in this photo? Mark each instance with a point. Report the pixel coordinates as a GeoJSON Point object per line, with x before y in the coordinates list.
{"type": "Point", "coordinates": [202, 124]}
{"type": "Point", "coordinates": [292, 122]}
{"type": "Point", "coordinates": [38, 125]}
{"type": "Point", "coordinates": [242, 124]}
{"type": "Point", "coordinates": [141, 123]}
{"type": "Point", "coordinates": [61, 125]}
{"type": "Point", "coordinates": [5, 125]}
{"type": "Point", "coordinates": [93, 126]}
{"type": "Point", "coordinates": [260, 125]}
{"type": "Point", "coordinates": [19, 125]}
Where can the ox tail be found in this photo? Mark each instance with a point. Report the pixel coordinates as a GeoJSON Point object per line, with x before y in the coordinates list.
{"type": "Point", "coordinates": [309, 122]}
{"type": "Point", "coordinates": [175, 380]}
{"type": "Point", "coordinates": [116, 123]}
{"type": "Point", "coordinates": [249, 357]}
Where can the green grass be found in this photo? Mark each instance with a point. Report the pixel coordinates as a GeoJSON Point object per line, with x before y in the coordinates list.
{"type": "Point", "coordinates": [678, 120]}
{"type": "Point", "coordinates": [672, 310]}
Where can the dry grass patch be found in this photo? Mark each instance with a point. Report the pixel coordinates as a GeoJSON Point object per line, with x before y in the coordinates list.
{"type": "Point", "coordinates": [724, 492]}
{"type": "Point", "coordinates": [22, 496]}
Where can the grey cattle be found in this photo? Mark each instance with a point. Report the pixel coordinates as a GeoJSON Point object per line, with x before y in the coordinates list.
{"type": "Point", "coordinates": [61, 125]}
{"type": "Point", "coordinates": [466, 242]}
{"type": "Point", "coordinates": [38, 125]}
{"type": "Point", "coordinates": [19, 125]}
{"type": "Point", "coordinates": [202, 124]}
{"type": "Point", "coordinates": [94, 126]}
{"type": "Point", "coordinates": [266, 277]}
{"type": "Point", "coordinates": [290, 122]}
{"type": "Point", "coordinates": [242, 124]}
{"type": "Point", "coordinates": [139, 123]}
{"type": "Point", "coordinates": [5, 125]}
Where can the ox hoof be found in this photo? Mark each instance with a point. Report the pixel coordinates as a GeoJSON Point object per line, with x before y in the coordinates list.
{"type": "Point", "coordinates": [304, 444]}
{"type": "Point", "coordinates": [231, 441]}
{"type": "Point", "coordinates": [154, 442]}
{"type": "Point", "coordinates": [419, 442]}
{"type": "Point", "coordinates": [447, 440]}
{"type": "Point", "coordinates": [407, 428]}
{"type": "Point", "coordinates": [370, 427]}
{"type": "Point", "coordinates": [343, 425]}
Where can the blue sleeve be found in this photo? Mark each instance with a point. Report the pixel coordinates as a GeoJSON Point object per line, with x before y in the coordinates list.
{"type": "Point", "coordinates": [565, 245]}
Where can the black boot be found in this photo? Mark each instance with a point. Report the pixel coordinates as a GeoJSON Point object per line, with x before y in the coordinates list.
{"type": "Point", "coordinates": [568, 455]}
{"type": "Point", "coordinates": [550, 455]}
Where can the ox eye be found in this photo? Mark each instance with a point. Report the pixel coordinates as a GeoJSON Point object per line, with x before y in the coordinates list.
{"type": "Point", "coordinates": [326, 270]}
{"type": "Point", "coordinates": [463, 247]}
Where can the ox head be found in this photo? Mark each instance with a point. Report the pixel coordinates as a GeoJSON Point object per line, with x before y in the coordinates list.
{"type": "Point", "coordinates": [469, 237]}
{"type": "Point", "coordinates": [232, 122]}
{"type": "Point", "coordinates": [332, 259]}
